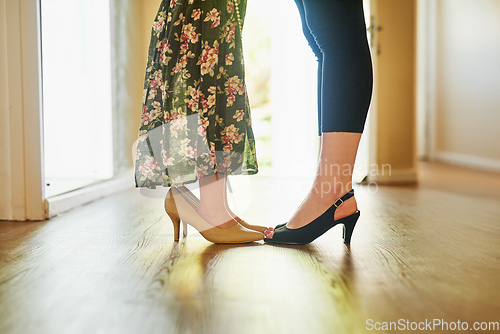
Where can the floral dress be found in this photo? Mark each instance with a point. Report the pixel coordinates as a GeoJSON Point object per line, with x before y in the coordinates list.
{"type": "Point", "coordinates": [196, 116]}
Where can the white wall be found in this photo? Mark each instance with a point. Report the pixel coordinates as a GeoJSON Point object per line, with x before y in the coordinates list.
{"type": "Point", "coordinates": [467, 78]}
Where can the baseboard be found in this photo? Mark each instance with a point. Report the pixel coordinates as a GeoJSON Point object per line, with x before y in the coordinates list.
{"type": "Point", "coordinates": [467, 161]}
{"type": "Point", "coordinates": [64, 202]}
{"type": "Point", "coordinates": [395, 176]}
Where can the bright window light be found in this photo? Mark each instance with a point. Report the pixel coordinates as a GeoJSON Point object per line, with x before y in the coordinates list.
{"type": "Point", "coordinates": [76, 93]}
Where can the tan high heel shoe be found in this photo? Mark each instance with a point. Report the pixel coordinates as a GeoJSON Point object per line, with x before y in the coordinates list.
{"type": "Point", "coordinates": [179, 209]}
{"type": "Point", "coordinates": [195, 202]}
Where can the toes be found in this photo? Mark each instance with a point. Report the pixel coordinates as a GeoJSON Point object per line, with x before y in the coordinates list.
{"type": "Point", "coordinates": [269, 234]}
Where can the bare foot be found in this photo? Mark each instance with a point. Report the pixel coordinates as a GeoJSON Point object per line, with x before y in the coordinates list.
{"type": "Point", "coordinates": [213, 206]}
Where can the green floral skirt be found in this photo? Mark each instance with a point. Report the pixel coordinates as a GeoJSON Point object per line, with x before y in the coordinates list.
{"type": "Point", "coordinates": [196, 116]}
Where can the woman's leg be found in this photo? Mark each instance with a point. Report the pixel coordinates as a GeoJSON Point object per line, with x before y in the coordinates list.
{"type": "Point", "coordinates": [346, 82]}
{"type": "Point", "coordinates": [339, 29]}
{"type": "Point", "coordinates": [333, 179]}
{"type": "Point", "coordinates": [213, 206]}
{"type": "Point", "coordinates": [317, 52]}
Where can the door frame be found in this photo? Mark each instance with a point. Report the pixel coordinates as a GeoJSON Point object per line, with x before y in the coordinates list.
{"type": "Point", "coordinates": [24, 192]}
{"type": "Point", "coordinates": [426, 78]}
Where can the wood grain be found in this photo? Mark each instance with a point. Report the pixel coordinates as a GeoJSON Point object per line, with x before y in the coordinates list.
{"type": "Point", "coordinates": [419, 252]}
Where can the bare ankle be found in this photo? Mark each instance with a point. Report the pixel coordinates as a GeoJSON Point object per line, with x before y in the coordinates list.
{"type": "Point", "coordinates": [332, 189]}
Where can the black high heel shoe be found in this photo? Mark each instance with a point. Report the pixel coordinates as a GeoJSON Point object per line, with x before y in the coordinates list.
{"type": "Point", "coordinates": [308, 233]}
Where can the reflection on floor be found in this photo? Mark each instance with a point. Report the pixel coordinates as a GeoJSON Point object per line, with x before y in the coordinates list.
{"type": "Point", "coordinates": [419, 253]}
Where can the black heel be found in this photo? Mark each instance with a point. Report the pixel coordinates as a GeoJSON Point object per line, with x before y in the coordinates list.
{"type": "Point", "coordinates": [308, 233]}
{"type": "Point", "coordinates": [349, 224]}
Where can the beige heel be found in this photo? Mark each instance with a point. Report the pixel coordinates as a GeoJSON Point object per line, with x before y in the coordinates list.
{"type": "Point", "coordinates": [180, 209]}
{"type": "Point", "coordinates": [195, 202]}
{"type": "Point", "coordinates": [171, 210]}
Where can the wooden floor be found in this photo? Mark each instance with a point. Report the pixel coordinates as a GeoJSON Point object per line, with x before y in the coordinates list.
{"type": "Point", "coordinates": [419, 253]}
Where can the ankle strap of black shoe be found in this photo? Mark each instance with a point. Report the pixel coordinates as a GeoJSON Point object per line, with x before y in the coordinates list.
{"type": "Point", "coordinates": [344, 198]}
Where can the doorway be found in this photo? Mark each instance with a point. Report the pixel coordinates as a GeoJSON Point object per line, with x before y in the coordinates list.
{"type": "Point", "coordinates": [76, 79]}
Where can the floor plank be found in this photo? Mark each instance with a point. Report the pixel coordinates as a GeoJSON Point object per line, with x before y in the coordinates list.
{"type": "Point", "coordinates": [419, 252]}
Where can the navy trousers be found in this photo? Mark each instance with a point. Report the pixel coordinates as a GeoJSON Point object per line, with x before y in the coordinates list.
{"type": "Point", "coordinates": [336, 32]}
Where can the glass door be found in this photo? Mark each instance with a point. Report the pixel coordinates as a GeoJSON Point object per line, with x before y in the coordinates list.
{"type": "Point", "coordinates": [76, 79]}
